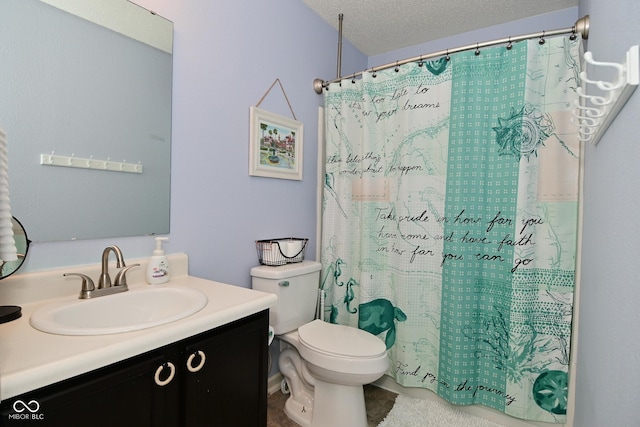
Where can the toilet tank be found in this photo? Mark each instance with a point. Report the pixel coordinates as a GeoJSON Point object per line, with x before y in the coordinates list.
{"type": "Point", "coordinates": [296, 286]}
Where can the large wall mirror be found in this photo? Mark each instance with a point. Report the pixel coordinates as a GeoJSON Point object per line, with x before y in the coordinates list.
{"type": "Point", "coordinates": [87, 83]}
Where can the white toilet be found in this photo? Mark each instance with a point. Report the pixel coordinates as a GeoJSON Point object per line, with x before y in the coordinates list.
{"type": "Point", "coordinates": [325, 365]}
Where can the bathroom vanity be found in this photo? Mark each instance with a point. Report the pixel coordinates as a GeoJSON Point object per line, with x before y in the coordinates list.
{"type": "Point", "coordinates": [207, 369]}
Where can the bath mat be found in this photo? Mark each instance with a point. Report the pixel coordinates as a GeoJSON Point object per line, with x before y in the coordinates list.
{"type": "Point", "coordinates": [409, 412]}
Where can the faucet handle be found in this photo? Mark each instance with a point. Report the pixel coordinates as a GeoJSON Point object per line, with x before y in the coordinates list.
{"type": "Point", "coordinates": [87, 284]}
{"type": "Point", "coordinates": [121, 279]}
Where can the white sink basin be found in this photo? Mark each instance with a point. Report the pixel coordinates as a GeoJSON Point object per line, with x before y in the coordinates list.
{"type": "Point", "coordinates": [135, 309]}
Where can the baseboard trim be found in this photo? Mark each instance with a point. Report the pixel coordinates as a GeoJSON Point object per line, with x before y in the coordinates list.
{"type": "Point", "coordinates": [273, 383]}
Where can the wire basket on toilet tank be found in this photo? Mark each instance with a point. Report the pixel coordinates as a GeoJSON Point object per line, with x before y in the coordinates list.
{"type": "Point", "coordinates": [281, 251]}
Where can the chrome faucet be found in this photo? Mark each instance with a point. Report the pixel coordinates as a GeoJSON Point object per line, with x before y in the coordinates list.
{"type": "Point", "coordinates": [104, 283]}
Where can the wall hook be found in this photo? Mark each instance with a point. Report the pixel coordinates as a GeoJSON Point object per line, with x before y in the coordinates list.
{"type": "Point", "coordinates": [594, 112]}
{"type": "Point", "coordinates": [90, 163]}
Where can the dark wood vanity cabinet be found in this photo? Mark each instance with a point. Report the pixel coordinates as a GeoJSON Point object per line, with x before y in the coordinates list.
{"type": "Point", "coordinates": [217, 378]}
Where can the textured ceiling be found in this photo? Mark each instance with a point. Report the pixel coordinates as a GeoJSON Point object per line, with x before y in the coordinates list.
{"type": "Point", "coordinates": [379, 26]}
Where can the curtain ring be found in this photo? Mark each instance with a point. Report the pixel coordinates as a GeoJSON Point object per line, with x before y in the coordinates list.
{"type": "Point", "coordinates": [420, 63]}
{"type": "Point", "coordinates": [397, 67]}
{"type": "Point", "coordinates": [573, 35]}
{"type": "Point", "coordinates": [373, 73]}
{"type": "Point", "coordinates": [541, 41]}
{"type": "Point", "coordinates": [447, 57]}
{"type": "Point", "coordinates": [477, 52]}
{"type": "Point", "coordinates": [509, 45]}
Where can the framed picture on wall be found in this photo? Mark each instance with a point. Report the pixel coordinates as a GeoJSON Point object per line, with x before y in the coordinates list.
{"type": "Point", "coordinates": [275, 145]}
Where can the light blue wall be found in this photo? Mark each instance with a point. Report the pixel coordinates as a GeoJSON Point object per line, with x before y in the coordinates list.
{"type": "Point", "coordinates": [608, 344]}
{"type": "Point", "coordinates": [226, 56]}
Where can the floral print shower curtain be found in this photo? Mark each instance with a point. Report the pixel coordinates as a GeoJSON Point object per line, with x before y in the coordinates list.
{"type": "Point", "coordinates": [450, 219]}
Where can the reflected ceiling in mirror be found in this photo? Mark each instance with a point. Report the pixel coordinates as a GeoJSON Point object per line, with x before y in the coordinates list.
{"type": "Point", "coordinates": [92, 80]}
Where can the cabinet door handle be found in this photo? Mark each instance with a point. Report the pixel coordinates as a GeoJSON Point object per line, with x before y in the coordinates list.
{"type": "Point", "coordinates": [190, 366]}
{"type": "Point", "coordinates": [172, 373]}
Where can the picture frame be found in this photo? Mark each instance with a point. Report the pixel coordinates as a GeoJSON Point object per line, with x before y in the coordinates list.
{"type": "Point", "coordinates": [275, 145]}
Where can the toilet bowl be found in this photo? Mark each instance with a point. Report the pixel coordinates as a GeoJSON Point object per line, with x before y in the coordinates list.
{"type": "Point", "coordinates": [324, 365]}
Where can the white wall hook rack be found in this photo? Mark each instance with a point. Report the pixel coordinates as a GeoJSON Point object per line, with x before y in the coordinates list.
{"type": "Point", "coordinates": [90, 163]}
{"type": "Point", "coordinates": [595, 112]}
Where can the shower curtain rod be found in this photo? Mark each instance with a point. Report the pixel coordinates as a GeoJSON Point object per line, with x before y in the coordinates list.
{"type": "Point", "coordinates": [581, 26]}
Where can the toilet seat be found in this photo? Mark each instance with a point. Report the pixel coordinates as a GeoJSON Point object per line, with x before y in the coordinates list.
{"type": "Point", "coordinates": [340, 349]}
{"type": "Point", "coordinates": [340, 341]}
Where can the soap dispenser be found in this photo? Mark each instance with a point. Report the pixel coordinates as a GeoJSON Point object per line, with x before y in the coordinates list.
{"type": "Point", "coordinates": [158, 268]}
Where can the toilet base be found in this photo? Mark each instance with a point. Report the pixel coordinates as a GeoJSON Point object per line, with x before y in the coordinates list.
{"type": "Point", "coordinates": [334, 405]}
{"type": "Point", "coordinates": [299, 413]}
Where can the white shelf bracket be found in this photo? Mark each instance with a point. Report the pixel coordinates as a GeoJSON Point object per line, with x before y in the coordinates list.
{"type": "Point", "coordinates": [594, 113]}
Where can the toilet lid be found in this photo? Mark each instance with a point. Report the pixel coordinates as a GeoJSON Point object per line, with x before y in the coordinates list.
{"type": "Point", "coordinates": [340, 340]}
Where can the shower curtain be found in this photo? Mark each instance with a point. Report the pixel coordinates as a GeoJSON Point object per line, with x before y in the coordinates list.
{"type": "Point", "coordinates": [449, 224]}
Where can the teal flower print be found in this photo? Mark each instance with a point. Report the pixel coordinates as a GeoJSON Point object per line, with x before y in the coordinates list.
{"type": "Point", "coordinates": [437, 66]}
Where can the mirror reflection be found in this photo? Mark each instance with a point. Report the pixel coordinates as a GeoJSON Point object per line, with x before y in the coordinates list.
{"type": "Point", "coordinates": [75, 88]}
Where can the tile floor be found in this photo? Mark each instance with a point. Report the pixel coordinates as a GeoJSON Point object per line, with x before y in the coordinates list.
{"type": "Point", "coordinates": [377, 400]}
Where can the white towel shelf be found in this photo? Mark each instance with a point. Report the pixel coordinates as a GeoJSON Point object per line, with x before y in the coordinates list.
{"type": "Point", "coordinates": [601, 101]}
{"type": "Point", "coordinates": [90, 163]}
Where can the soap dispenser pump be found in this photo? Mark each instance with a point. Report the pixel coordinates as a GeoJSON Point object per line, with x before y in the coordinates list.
{"type": "Point", "coordinates": [158, 268]}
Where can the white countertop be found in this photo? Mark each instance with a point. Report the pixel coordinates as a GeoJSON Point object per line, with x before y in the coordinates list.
{"type": "Point", "coordinates": [30, 359]}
